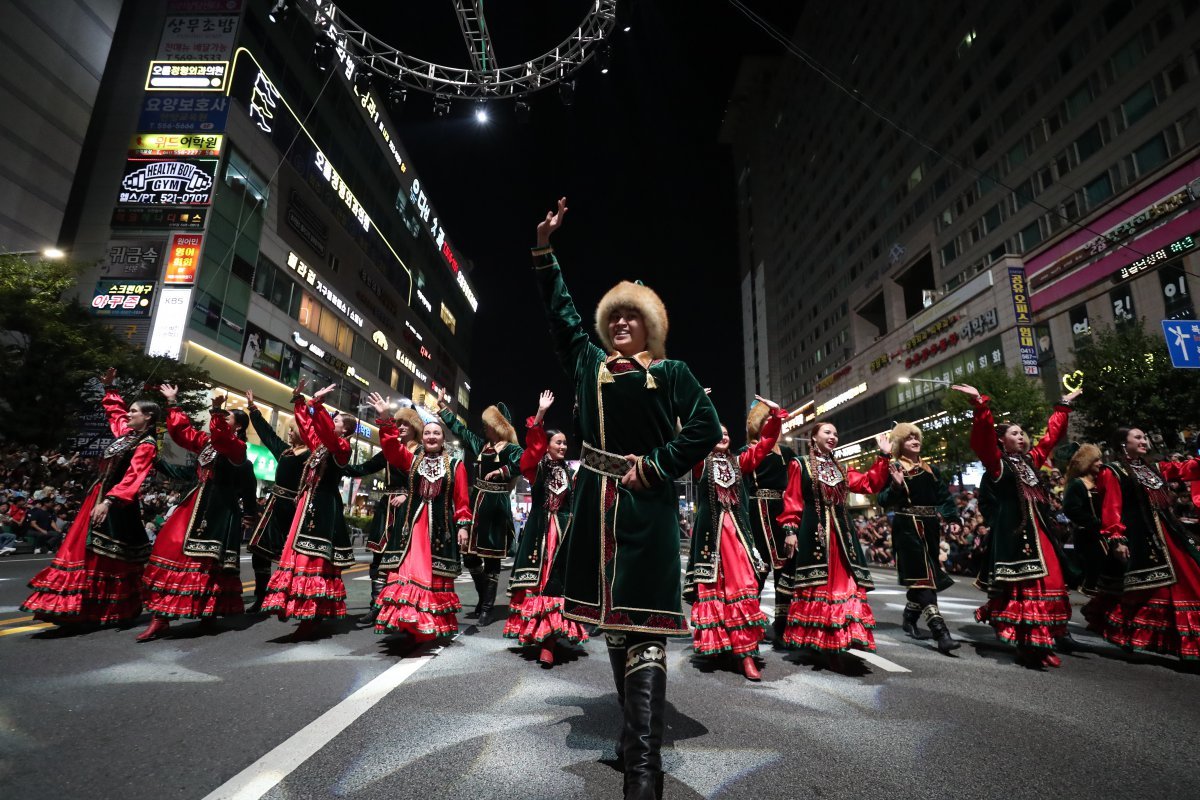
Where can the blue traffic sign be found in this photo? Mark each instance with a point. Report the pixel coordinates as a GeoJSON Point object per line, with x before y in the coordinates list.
{"type": "Point", "coordinates": [1183, 342]}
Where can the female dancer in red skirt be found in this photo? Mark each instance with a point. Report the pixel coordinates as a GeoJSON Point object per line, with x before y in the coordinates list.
{"type": "Point", "coordinates": [419, 597]}
{"type": "Point", "coordinates": [1024, 571]}
{"type": "Point", "coordinates": [828, 574]}
{"type": "Point", "coordinates": [534, 616]}
{"type": "Point", "coordinates": [721, 581]}
{"type": "Point", "coordinates": [308, 585]}
{"type": "Point", "coordinates": [195, 565]}
{"type": "Point", "coordinates": [1159, 610]}
{"type": "Point", "coordinates": [96, 574]}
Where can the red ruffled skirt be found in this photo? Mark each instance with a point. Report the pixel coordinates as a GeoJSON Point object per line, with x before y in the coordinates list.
{"type": "Point", "coordinates": [415, 600]}
{"type": "Point", "coordinates": [1165, 620]}
{"type": "Point", "coordinates": [304, 586]}
{"type": "Point", "coordinates": [1031, 613]}
{"type": "Point", "coordinates": [534, 617]}
{"type": "Point", "coordinates": [81, 586]}
{"type": "Point", "coordinates": [727, 617]}
{"type": "Point", "coordinates": [177, 585]}
{"type": "Point", "coordinates": [833, 617]}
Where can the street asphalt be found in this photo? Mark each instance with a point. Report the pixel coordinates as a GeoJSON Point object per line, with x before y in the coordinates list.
{"type": "Point", "coordinates": [237, 712]}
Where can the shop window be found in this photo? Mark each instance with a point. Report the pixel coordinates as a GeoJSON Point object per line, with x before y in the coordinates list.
{"type": "Point", "coordinates": [1098, 191]}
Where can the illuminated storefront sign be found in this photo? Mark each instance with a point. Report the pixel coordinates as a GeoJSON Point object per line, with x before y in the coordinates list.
{"type": "Point", "coordinates": [424, 301]}
{"type": "Point", "coordinates": [170, 321]}
{"type": "Point", "coordinates": [411, 365]}
{"type": "Point", "coordinates": [133, 259]}
{"type": "Point", "coordinates": [112, 299]}
{"type": "Point", "coordinates": [308, 274]}
{"type": "Point", "coordinates": [168, 182]}
{"type": "Point", "coordinates": [959, 367]}
{"type": "Point", "coordinates": [149, 218]}
{"type": "Point", "coordinates": [262, 461]}
{"type": "Point", "coordinates": [342, 191]}
{"type": "Point", "coordinates": [1175, 248]}
{"type": "Point", "coordinates": [198, 37]}
{"type": "Point", "coordinates": [183, 258]}
{"type": "Point", "coordinates": [350, 373]}
{"type": "Point", "coordinates": [195, 76]}
{"type": "Point", "coordinates": [378, 338]}
{"type": "Point", "coordinates": [183, 113]}
{"type": "Point", "coordinates": [320, 352]}
{"type": "Point", "coordinates": [840, 399]}
{"type": "Point", "coordinates": [1025, 338]}
{"type": "Point", "coordinates": [413, 331]}
{"type": "Point", "coordinates": [830, 380]}
{"type": "Point", "coordinates": [176, 144]}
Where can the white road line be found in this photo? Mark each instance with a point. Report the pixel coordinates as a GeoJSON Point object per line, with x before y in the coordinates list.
{"type": "Point", "coordinates": [264, 774]}
{"type": "Point", "coordinates": [879, 661]}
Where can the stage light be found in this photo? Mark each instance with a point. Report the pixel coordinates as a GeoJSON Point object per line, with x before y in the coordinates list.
{"type": "Point", "coordinates": [279, 12]}
{"type": "Point", "coordinates": [397, 95]}
{"type": "Point", "coordinates": [322, 51]}
{"type": "Point", "coordinates": [362, 79]}
{"type": "Point", "coordinates": [522, 109]}
{"type": "Point", "coordinates": [603, 54]}
{"type": "Point", "coordinates": [481, 114]}
{"type": "Point", "coordinates": [566, 93]}
{"type": "Point", "coordinates": [441, 106]}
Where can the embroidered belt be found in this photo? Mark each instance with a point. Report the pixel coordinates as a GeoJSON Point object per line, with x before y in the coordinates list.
{"type": "Point", "coordinates": [603, 462]}
{"type": "Point", "coordinates": [919, 511]}
{"type": "Point", "coordinates": [285, 494]}
{"type": "Point", "coordinates": [491, 487]}
{"type": "Point", "coordinates": [394, 494]}
{"type": "Point", "coordinates": [767, 494]}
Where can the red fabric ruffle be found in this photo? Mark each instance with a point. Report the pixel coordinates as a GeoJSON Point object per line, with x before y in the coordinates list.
{"type": "Point", "coordinates": [426, 612]}
{"type": "Point", "coordinates": [724, 625]}
{"type": "Point", "coordinates": [97, 589]}
{"type": "Point", "coordinates": [193, 589]}
{"type": "Point", "coordinates": [1027, 617]}
{"type": "Point", "coordinates": [535, 618]}
{"type": "Point", "coordinates": [306, 588]}
{"type": "Point", "coordinates": [830, 622]}
{"type": "Point", "coordinates": [1152, 621]}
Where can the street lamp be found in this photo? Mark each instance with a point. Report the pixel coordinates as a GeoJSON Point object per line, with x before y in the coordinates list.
{"type": "Point", "coordinates": [53, 252]}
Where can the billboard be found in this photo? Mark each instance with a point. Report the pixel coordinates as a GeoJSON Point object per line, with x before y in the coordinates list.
{"type": "Point", "coordinates": [168, 181]}
{"type": "Point", "coordinates": [170, 320]}
{"type": "Point", "coordinates": [153, 219]}
{"type": "Point", "coordinates": [190, 76]}
{"type": "Point", "coordinates": [133, 259]}
{"type": "Point", "coordinates": [198, 37]}
{"type": "Point", "coordinates": [176, 144]}
{"type": "Point", "coordinates": [116, 299]}
{"type": "Point", "coordinates": [183, 113]}
{"type": "Point", "coordinates": [183, 258]}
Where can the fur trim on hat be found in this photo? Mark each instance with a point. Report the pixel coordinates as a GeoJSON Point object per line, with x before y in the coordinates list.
{"type": "Point", "coordinates": [494, 420]}
{"type": "Point", "coordinates": [755, 420]}
{"type": "Point", "coordinates": [412, 419]}
{"type": "Point", "coordinates": [643, 300]}
{"type": "Point", "coordinates": [901, 432]}
{"type": "Point", "coordinates": [1084, 456]}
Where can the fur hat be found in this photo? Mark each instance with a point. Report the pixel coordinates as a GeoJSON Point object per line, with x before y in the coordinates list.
{"type": "Point", "coordinates": [1083, 456]}
{"type": "Point", "coordinates": [643, 300]}
{"type": "Point", "coordinates": [901, 432]}
{"type": "Point", "coordinates": [411, 418]}
{"type": "Point", "coordinates": [756, 419]}
{"type": "Point", "coordinates": [499, 420]}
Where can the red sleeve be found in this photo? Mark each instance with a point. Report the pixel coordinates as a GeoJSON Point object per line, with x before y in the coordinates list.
{"type": "Point", "coordinates": [793, 498]}
{"type": "Point", "coordinates": [1180, 470]}
{"type": "Point", "coordinates": [304, 424]}
{"type": "Point", "coordinates": [462, 495]}
{"type": "Point", "coordinates": [873, 480]}
{"type": "Point", "coordinates": [182, 432]}
{"type": "Point", "coordinates": [1110, 509]}
{"type": "Point", "coordinates": [389, 439]}
{"type": "Point", "coordinates": [753, 456]}
{"type": "Point", "coordinates": [143, 463]}
{"type": "Point", "coordinates": [983, 437]}
{"type": "Point", "coordinates": [322, 426]}
{"type": "Point", "coordinates": [697, 471]}
{"type": "Point", "coordinates": [223, 439]}
{"type": "Point", "coordinates": [536, 445]}
{"type": "Point", "coordinates": [1055, 428]}
{"type": "Point", "coordinates": [115, 410]}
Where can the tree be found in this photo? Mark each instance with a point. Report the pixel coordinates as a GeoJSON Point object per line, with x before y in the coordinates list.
{"type": "Point", "coordinates": [52, 350]}
{"type": "Point", "coordinates": [1128, 380]}
{"type": "Point", "coordinates": [1014, 398]}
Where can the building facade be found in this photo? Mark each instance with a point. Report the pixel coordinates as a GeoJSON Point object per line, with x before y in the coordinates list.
{"type": "Point", "coordinates": [1050, 188]}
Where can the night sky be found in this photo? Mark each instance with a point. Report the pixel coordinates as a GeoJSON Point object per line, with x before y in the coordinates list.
{"type": "Point", "coordinates": [650, 190]}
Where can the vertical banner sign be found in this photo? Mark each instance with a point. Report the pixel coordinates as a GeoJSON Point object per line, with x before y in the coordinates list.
{"type": "Point", "coordinates": [183, 259]}
{"type": "Point", "coordinates": [170, 319]}
{"type": "Point", "coordinates": [1025, 338]}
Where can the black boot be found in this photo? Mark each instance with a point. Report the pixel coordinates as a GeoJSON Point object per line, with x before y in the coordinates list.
{"type": "Point", "coordinates": [261, 579]}
{"type": "Point", "coordinates": [912, 616]}
{"type": "Point", "coordinates": [616, 659]}
{"type": "Point", "coordinates": [377, 584]}
{"type": "Point", "coordinates": [488, 599]}
{"type": "Point", "coordinates": [937, 626]}
{"type": "Point", "coordinates": [477, 579]}
{"type": "Point", "coordinates": [645, 697]}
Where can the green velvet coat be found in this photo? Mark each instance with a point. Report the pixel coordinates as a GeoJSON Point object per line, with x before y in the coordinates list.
{"type": "Point", "coordinates": [619, 565]}
{"type": "Point", "coordinates": [322, 531]}
{"type": "Point", "coordinates": [549, 496]}
{"type": "Point", "coordinates": [492, 530]}
{"type": "Point", "coordinates": [388, 520]}
{"type": "Point", "coordinates": [770, 477]}
{"type": "Point", "coordinates": [917, 538]}
{"type": "Point", "coordinates": [270, 533]}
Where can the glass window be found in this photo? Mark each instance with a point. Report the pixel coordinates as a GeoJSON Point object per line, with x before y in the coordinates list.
{"type": "Point", "coordinates": [448, 318]}
{"type": "Point", "coordinates": [264, 279]}
{"type": "Point", "coordinates": [1151, 154]}
{"type": "Point", "coordinates": [310, 313]}
{"type": "Point", "coordinates": [1098, 190]}
{"type": "Point", "coordinates": [1079, 99]}
{"type": "Point", "coordinates": [328, 327]}
{"type": "Point", "coordinates": [345, 338]}
{"type": "Point", "coordinates": [1128, 56]}
{"type": "Point", "coordinates": [1088, 144]}
{"type": "Point", "coordinates": [1031, 236]}
{"type": "Point", "coordinates": [1017, 154]}
{"type": "Point", "coordinates": [1081, 326]}
{"type": "Point", "coordinates": [1138, 104]}
{"type": "Point", "coordinates": [992, 218]}
{"type": "Point", "coordinates": [1024, 194]}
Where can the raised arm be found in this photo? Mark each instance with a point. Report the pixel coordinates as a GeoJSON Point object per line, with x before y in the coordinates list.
{"type": "Point", "coordinates": [182, 433]}
{"type": "Point", "coordinates": [472, 440]}
{"type": "Point", "coordinates": [369, 467]}
{"type": "Point", "coordinates": [113, 404]}
{"type": "Point", "coordinates": [266, 434]}
{"type": "Point", "coordinates": [873, 480]}
{"type": "Point", "coordinates": [322, 427]}
{"type": "Point", "coordinates": [983, 436]}
{"type": "Point", "coordinates": [223, 439]}
{"type": "Point", "coordinates": [393, 449]}
{"type": "Point", "coordinates": [1180, 470]}
{"type": "Point", "coordinates": [131, 483]}
{"type": "Point", "coordinates": [1055, 429]}
{"type": "Point", "coordinates": [752, 456]}
{"type": "Point", "coordinates": [536, 445]}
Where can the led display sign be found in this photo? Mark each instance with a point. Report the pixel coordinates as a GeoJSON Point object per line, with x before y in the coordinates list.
{"type": "Point", "coordinates": [112, 299]}
{"type": "Point", "coordinates": [309, 275]}
{"type": "Point", "coordinates": [411, 365]}
{"type": "Point", "coordinates": [839, 399]}
{"type": "Point", "coordinates": [176, 144]}
{"type": "Point", "coordinates": [168, 182]}
{"type": "Point", "coordinates": [183, 113]}
{"type": "Point", "coordinates": [1175, 248]}
{"type": "Point", "coordinates": [198, 37]}
{"type": "Point", "coordinates": [183, 258]}
{"type": "Point", "coordinates": [194, 76]}
{"type": "Point", "coordinates": [342, 190]}
{"type": "Point", "coordinates": [148, 218]}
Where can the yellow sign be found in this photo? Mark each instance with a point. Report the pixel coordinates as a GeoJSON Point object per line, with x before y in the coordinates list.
{"type": "Point", "coordinates": [176, 144]}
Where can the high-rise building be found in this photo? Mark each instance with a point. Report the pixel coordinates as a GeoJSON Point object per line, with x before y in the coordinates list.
{"type": "Point", "coordinates": [1051, 186]}
{"type": "Point", "coordinates": [251, 209]}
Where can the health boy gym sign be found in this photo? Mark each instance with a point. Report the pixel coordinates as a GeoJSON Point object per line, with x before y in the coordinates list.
{"type": "Point", "coordinates": [168, 182]}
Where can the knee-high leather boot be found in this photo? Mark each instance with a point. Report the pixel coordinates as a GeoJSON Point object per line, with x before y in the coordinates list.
{"type": "Point", "coordinates": [475, 567]}
{"type": "Point", "coordinates": [616, 660]}
{"type": "Point", "coordinates": [645, 698]}
{"type": "Point", "coordinates": [941, 633]}
{"type": "Point", "coordinates": [262, 577]}
{"type": "Point", "coordinates": [487, 600]}
{"type": "Point", "coordinates": [912, 616]}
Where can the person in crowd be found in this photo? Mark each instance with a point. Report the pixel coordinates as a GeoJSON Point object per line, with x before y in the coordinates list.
{"type": "Point", "coordinates": [644, 420]}
{"type": "Point", "coordinates": [919, 498]}
{"type": "Point", "coordinates": [195, 566]}
{"type": "Point", "coordinates": [1024, 571]}
{"type": "Point", "coordinates": [39, 523]}
{"type": "Point", "coordinates": [497, 465]}
{"type": "Point", "coordinates": [96, 574]}
{"type": "Point", "coordinates": [419, 598]}
{"type": "Point", "coordinates": [1158, 610]}
{"type": "Point", "coordinates": [535, 618]}
{"type": "Point", "coordinates": [724, 565]}
{"type": "Point", "coordinates": [308, 584]}
{"type": "Point", "coordinates": [1102, 567]}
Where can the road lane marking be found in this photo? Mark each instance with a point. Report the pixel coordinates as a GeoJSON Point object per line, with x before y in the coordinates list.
{"type": "Point", "coordinates": [879, 661]}
{"type": "Point", "coordinates": [267, 772]}
{"type": "Point", "coordinates": [15, 620]}
{"type": "Point", "coordinates": [26, 628]}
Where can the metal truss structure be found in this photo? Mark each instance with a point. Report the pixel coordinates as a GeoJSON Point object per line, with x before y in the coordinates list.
{"type": "Point", "coordinates": [486, 78]}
